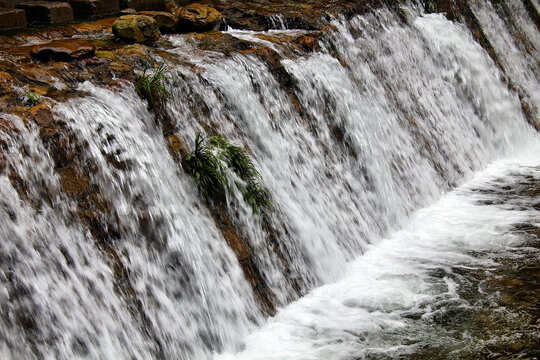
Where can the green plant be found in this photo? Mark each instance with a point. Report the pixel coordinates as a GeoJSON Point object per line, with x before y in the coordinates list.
{"type": "Point", "coordinates": [151, 86]}
{"type": "Point", "coordinates": [32, 98]}
{"type": "Point", "coordinates": [209, 162]}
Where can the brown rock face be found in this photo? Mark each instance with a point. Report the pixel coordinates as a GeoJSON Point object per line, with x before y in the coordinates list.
{"type": "Point", "coordinates": [136, 28]}
{"type": "Point", "coordinates": [198, 18]}
{"type": "Point", "coordinates": [45, 12]}
{"type": "Point", "coordinates": [165, 21]}
{"type": "Point", "coordinates": [11, 19]}
{"type": "Point", "coordinates": [89, 8]}
{"type": "Point", "coordinates": [63, 50]}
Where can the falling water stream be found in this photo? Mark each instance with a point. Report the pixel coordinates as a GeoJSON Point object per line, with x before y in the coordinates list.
{"type": "Point", "coordinates": [383, 162]}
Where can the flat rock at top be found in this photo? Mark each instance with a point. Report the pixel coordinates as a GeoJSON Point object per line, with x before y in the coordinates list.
{"type": "Point", "coordinates": [89, 8]}
{"type": "Point", "coordinates": [63, 50]}
{"type": "Point", "coordinates": [140, 5]}
{"type": "Point", "coordinates": [198, 18]}
{"type": "Point", "coordinates": [46, 12]}
{"type": "Point", "coordinates": [165, 20]}
{"type": "Point", "coordinates": [11, 19]}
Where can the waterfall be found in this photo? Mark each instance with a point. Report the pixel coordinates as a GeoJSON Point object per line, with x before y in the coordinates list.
{"type": "Point", "coordinates": [397, 111]}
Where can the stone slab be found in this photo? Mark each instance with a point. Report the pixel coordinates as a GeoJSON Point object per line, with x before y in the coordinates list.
{"type": "Point", "coordinates": [12, 19]}
{"type": "Point", "coordinates": [46, 12]}
{"type": "Point", "coordinates": [91, 8]}
{"type": "Point", "coordinates": [140, 5]}
{"type": "Point", "coordinates": [9, 3]}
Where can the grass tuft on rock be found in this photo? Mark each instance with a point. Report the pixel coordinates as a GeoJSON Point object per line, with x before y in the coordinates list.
{"type": "Point", "coordinates": [32, 98]}
{"type": "Point", "coordinates": [209, 163]}
{"type": "Point", "coordinates": [151, 85]}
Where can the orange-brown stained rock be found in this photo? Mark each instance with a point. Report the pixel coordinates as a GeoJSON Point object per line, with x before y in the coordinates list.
{"type": "Point", "coordinates": [310, 43]}
{"type": "Point", "coordinates": [63, 50]}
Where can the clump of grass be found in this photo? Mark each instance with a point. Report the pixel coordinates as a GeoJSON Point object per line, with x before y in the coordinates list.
{"type": "Point", "coordinates": [209, 162]}
{"type": "Point", "coordinates": [151, 85]}
{"type": "Point", "coordinates": [32, 98]}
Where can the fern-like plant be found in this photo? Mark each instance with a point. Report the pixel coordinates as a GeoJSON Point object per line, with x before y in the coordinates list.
{"type": "Point", "coordinates": [151, 85]}
{"type": "Point", "coordinates": [208, 164]}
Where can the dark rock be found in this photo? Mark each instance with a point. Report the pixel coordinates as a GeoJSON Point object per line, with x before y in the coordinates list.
{"type": "Point", "coordinates": [9, 3]}
{"type": "Point", "coordinates": [89, 8]}
{"type": "Point", "coordinates": [11, 19]}
{"type": "Point", "coordinates": [45, 12]}
{"type": "Point", "coordinates": [63, 50]}
{"type": "Point", "coordinates": [198, 18]}
{"type": "Point", "coordinates": [166, 21]}
{"type": "Point", "coordinates": [137, 28]}
{"type": "Point", "coordinates": [140, 5]}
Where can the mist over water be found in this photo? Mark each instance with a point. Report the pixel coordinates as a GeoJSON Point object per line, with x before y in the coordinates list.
{"type": "Point", "coordinates": [373, 158]}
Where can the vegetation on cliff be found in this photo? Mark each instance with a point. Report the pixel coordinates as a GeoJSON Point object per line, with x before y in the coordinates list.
{"type": "Point", "coordinates": [220, 168]}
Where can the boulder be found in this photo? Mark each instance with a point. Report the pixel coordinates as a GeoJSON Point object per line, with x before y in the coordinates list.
{"type": "Point", "coordinates": [46, 12]}
{"type": "Point", "coordinates": [165, 21]}
{"type": "Point", "coordinates": [90, 8]}
{"type": "Point", "coordinates": [136, 28]}
{"type": "Point", "coordinates": [198, 18]}
{"type": "Point", "coordinates": [63, 50]}
{"type": "Point", "coordinates": [11, 19]}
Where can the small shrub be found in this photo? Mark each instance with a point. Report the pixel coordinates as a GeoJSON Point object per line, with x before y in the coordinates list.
{"type": "Point", "coordinates": [208, 164]}
{"type": "Point", "coordinates": [150, 86]}
{"type": "Point", "coordinates": [32, 98]}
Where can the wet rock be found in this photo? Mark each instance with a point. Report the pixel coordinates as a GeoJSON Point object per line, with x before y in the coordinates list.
{"type": "Point", "coordinates": [218, 42]}
{"type": "Point", "coordinates": [309, 43]}
{"type": "Point", "coordinates": [105, 54]}
{"type": "Point", "coordinates": [11, 19]}
{"type": "Point", "coordinates": [99, 26]}
{"type": "Point", "coordinates": [89, 8]}
{"type": "Point", "coordinates": [42, 115]}
{"type": "Point", "coordinates": [178, 145]}
{"type": "Point", "coordinates": [137, 28]}
{"type": "Point", "coordinates": [63, 50]}
{"type": "Point", "coordinates": [45, 12]}
{"type": "Point", "coordinates": [74, 181]}
{"type": "Point", "coordinates": [198, 18]}
{"type": "Point", "coordinates": [165, 20]}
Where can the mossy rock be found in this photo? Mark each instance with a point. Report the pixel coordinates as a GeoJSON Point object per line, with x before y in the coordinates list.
{"type": "Point", "coordinates": [136, 28]}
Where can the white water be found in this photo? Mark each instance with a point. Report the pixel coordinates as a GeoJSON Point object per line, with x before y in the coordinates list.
{"type": "Point", "coordinates": [395, 115]}
{"type": "Point", "coordinates": [369, 310]}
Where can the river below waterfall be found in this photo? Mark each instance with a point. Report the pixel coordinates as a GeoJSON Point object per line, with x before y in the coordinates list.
{"type": "Point", "coordinates": [459, 281]}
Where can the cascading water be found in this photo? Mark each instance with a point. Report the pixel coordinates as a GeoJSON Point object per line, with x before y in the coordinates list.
{"type": "Point", "coordinates": [394, 111]}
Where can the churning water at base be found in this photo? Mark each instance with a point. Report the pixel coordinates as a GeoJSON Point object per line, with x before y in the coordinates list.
{"type": "Point", "coordinates": [388, 117]}
{"type": "Point", "coordinates": [403, 293]}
